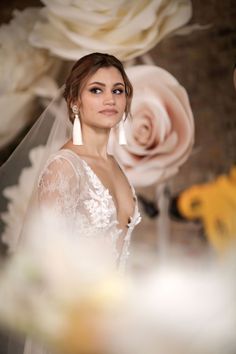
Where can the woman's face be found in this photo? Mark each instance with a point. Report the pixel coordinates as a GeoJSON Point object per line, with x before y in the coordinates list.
{"type": "Point", "coordinates": [102, 101]}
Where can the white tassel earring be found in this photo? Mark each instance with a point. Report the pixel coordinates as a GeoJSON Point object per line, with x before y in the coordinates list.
{"type": "Point", "coordinates": [77, 133]}
{"type": "Point", "coordinates": [122, 137]}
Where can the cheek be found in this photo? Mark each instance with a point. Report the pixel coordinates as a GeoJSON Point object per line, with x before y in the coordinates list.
{"type": "Point", "coordinates": [88, 104]}
{"type": "Point", "coordinates": [122, 102]}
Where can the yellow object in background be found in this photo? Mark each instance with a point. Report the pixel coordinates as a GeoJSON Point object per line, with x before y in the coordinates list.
{"type": "Point", "coordinates": [214, 203]}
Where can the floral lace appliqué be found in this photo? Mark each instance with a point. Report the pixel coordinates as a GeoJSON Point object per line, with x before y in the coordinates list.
{"type": "Point", "coordinates": [99, 207]}
{"type": "Point", "coordinates": [100, 203]}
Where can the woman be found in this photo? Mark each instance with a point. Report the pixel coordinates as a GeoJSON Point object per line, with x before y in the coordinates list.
{"type": "Point", "coordinates": [80, 180]}
{"type": "Point", "coordinates": [99, 199]}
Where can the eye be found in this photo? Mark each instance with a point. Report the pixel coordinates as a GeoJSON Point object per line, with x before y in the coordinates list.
{"type": "Point", "coordinates": [118, 91]}
{"type": "Point", "coordinates": [95, 90]}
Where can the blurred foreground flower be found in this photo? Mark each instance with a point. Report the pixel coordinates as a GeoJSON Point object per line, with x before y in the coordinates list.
{"type": "Point", "coordinates": [24, 73]}
{"type": "Point", "coordinates": [160, 133]}
{"type": "Point", "coordinates": [215, 204]}
{"type": "Point", "coordinates": [65, 291]}
{"type": "Point", "coordinates": [126, 29]}
{"type": "Point", "coordinates": [57, 288]}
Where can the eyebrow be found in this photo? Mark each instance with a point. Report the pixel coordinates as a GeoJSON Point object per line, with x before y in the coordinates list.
{"type": "Point", "coordinates": [102, 84]}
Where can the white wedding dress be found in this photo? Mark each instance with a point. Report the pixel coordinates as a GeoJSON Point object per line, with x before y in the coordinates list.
{"type": "Point", "coordinates": [79, 195]}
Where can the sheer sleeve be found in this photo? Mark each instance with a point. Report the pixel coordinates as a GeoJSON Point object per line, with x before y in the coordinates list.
{"type": "Point", "coordinates": [58, 186]}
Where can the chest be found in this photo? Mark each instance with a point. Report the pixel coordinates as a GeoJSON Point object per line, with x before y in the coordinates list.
{"type": "Point", "coordinates": [113, 180]}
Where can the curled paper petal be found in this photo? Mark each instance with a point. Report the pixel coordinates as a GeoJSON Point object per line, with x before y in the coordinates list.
{"type": "Point", "coordinates": [16, 112]}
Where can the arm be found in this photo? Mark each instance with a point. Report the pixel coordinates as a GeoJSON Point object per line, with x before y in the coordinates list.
{"type": "Point", "coordinates": [58, 186]}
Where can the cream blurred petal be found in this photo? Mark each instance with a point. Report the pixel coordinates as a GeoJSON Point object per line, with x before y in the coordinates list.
{"type": "Point", "coordinates": [17, 108]}
{"type": "Point", "coordinates": [24, 73]}
{"type": "Point", "coordinates": [16, 112]}
{"type": "Point", "coordinates": [45, 87]}
{"type": "Point", "coordinates": [123, 28]}
{"type": "Point", "coordinates": [21, 64]}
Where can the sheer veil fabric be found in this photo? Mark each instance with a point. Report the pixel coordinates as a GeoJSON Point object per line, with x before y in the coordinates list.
{"type": "Point", "coordinates": [51, 130]}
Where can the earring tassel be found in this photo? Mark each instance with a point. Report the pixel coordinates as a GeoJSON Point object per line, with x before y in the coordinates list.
{"type": "Point", "coordinates": [122, 136]}
{"type": "Point", "coordinates": [77, 133]}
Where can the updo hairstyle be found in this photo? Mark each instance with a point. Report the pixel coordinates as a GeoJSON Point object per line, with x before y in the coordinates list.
{"type": "Point", "coordinates": [83, 69]}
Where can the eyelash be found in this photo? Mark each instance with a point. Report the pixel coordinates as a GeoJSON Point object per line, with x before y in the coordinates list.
{"type": "Point", "coordinates": [117, 91]}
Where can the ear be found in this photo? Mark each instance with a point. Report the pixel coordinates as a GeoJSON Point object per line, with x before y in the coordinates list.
{"type": "Point", "coordinates": [77, 103]}
{"type": "Point", "coordinates": [73, 103]}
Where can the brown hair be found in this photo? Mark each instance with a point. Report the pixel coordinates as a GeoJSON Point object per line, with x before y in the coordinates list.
{"type": "Point", "coordinates": [84, 68]}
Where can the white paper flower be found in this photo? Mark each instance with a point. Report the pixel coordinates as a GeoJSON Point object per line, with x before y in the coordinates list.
{"type": "Point", "coordinates": [21, 65]}
{"type": "Point", "coordinates": [24, 73]}
{"type": "Point", "coordinates": [18, 197]}
{"type": "Point", "coordinates": [124, 28]}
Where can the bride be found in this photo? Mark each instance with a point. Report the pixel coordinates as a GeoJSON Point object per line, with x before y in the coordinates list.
{"type": "Point", "coordinates": [82, 181]}
{"type": "Point", "coordinates": [78, 178]}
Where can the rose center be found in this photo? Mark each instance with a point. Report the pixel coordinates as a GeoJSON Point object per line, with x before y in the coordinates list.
{"type": "Point", "coordinates": [142, 131]}
{"type": "Point", "coordinates": [142, 134]}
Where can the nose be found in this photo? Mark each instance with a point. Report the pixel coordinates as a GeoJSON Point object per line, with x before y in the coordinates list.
{"type": "Point", "coordinates": [109, 99]}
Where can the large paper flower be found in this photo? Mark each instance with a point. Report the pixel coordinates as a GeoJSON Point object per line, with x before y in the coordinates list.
{"type": "Point", "coordinates": [124, 28]}
{"type": "Point", "coordinates": [161, 131]}
{"type": "Point", "coordinates": [23, 73]}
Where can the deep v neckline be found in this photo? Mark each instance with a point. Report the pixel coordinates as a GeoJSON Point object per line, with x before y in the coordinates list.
{"type": "Point", "coordinates": [130, 218]}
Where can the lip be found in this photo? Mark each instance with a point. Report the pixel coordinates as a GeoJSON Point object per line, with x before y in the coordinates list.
{"type": "Point", "coordinates": [109, 112]}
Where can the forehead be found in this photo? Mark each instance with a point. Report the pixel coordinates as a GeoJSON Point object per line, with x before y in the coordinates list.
{"type": "Point", "coordinates": [110, 75]}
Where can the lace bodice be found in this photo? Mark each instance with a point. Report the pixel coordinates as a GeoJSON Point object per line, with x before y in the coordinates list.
{"type": "Point", "coordinates": [69, 184]}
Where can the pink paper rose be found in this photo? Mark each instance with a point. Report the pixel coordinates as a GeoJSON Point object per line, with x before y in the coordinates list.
{"type": "Point", "coordinates": [161, 132]}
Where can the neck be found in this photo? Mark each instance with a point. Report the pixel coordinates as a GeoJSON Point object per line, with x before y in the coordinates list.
{"type": "Point", "coordinates": [95, 142]}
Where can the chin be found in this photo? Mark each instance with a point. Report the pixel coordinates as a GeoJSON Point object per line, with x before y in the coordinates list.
{"type": "Point", "coordinates": [111, 123]}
